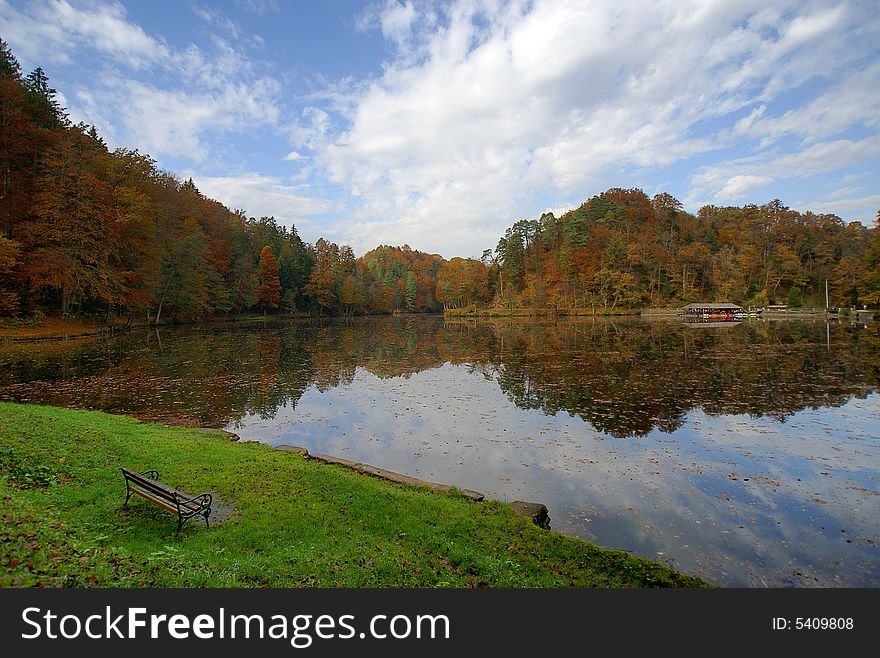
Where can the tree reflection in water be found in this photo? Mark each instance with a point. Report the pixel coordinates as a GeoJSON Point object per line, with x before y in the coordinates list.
{"type": "Point", "coordinates": [625, 378]}
{"type": "Point", "coordinates": [745, 453]}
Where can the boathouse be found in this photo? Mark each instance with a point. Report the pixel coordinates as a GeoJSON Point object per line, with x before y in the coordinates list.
{"type": "Point", "coordinates": [714, 310]}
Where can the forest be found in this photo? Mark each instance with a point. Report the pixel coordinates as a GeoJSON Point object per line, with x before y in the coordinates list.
{"type": "Point", "coordinates": [106, 234]}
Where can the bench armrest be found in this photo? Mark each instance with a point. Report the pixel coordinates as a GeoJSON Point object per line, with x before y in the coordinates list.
{"type": "Point", "coordinates": [153, 474]}
{"type": "Point", "coordinates": [204, 500]}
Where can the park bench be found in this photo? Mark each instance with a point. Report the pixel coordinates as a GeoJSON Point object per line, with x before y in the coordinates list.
{"type": "Point", "coordinates": [185, 505]}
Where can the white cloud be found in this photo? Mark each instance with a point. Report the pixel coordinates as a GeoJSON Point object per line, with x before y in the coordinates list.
{"type": "Point", "coordinates": [258, 7]}
{"type": "Point", "coordinates": [213, 17]}
{"type": "Point", "coordinates": [260, 195]}
{"type": "Point", "coordinates": [498, 104]}
{"type": "Point", "coordinates": [488, 111]}
{"type": "Point", "coordinates": [397, 22]}
{"type": "Point", "coordinates": [56, 29]}
{"type": "Point", "coordinates": [233, 30]}
{"type": "Point", "coordinates": [728, 181]}
{"type": "Point", "coordinates": [189, 96]}
{"type": "Point", "coordinates": [561, 208]}
{"type": "Point", "coordinates": [737, 186]}
{"type": "Point", "coordinates": [828, 156]}
{"type": "Point", "coordinates": [866, 207]}
{"type": "Point", "coordinates": [844, 192]}
{"type": "Point", "coordinates": [855, 101]}
{"type": "Point", "coordinates": [182, 122]}
{"type": "Point", "coordinates": [310, 132]}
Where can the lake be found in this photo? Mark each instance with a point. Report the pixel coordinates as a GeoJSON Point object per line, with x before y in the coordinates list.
{"type": "Point", "coordinates": [747, 453]}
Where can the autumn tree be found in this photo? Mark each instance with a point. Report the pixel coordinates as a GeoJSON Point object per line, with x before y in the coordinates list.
{"type": "Point", "coordinates": [17, 136]}
{"type": "Point", "coordinates": [184, 274]}
{"type": "Point", "coordinates": [321, 286]}
{"type": "Point", "coordinates": [184, 281]}
{"type": "Point", "coordinates": [130, 178]}
{"type": "Point", "coordinates": [71, 237]}
{"type": "Point", "coordinates": [397, 279]}
{"type": "Point", "coordinates": [269, 294]}
{"type": "Point", "coordinates": [511, 251]}
{"type": "Point", "coordinates": [461, 282]}
{"type": "Point", "coordinates": [871, 287]}
{"type": "Point", "coordinates": [9, 254]}
{"type": "Point", "coordinates": [89, 231]}
{"type": "Point", "coordinates": [46, 111]}
{"type": "Point", "coordinates": [295, 262]}
{"type": "Point", "coordinates": [351, 294]}
{"type": "Point", "coordinates": [611, 288]}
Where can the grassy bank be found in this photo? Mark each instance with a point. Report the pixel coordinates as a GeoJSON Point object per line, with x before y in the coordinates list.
{"type": "Point", "coordinates": [44, 328]}
{"type": "Point", "coordinates": [291, 521]}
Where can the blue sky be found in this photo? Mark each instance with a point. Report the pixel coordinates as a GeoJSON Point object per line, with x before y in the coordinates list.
{"type": "Point", "coordinates": [440, 124]}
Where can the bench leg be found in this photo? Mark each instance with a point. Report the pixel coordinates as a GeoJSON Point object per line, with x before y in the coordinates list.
{"type": "Point", "coordinates": [206, 518]}
{"type": "Point", "coordinates": [127, 494]}
{"type": "Point", "coordinates": [179, 525]}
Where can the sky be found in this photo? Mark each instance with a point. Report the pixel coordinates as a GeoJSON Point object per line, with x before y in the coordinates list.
{"type": "Point", "coordinates": [439, 124]}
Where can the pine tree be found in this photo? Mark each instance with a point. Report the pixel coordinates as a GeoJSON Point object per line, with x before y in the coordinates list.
{"type": "Point", "coordinates": [47, 113]}
{"type": "Point", "coordinates": [9, 66]}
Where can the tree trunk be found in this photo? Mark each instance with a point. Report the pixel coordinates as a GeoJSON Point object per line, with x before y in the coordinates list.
{"type": "Point", "coordinates": [161, 302]}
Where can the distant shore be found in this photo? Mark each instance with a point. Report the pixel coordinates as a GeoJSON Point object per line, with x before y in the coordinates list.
{"type": "Point", "coordinates": [50, 328]}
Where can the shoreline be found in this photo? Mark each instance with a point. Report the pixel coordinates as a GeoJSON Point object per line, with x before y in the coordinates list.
{"type": "Point", "coordinates": [53, 329]}
{"type": "Point", "coordinates": [290, 521]}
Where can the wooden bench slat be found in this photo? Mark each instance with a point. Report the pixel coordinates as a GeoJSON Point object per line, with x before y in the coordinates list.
{"type": "Point", "coordinates": [159, 501]}
{"type": "Point", "coordinates": [167, 501]}
{"type": "Point", "coordinates": [146, 493]}
{"type": "Point", "coordinates": [156, 491]}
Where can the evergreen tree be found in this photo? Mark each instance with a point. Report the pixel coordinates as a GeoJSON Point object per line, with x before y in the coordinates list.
{"type": "Point", "coordinates": [9, 66]}
{"type": "Point", "coordinates": [47, 113]}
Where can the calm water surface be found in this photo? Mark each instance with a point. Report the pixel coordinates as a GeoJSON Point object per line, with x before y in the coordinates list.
{"type": "Point", "coordinates": [748, 454]}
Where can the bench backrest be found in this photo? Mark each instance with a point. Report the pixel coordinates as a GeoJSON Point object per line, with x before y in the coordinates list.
{"type": "Point", "coordinates": [154, 488]}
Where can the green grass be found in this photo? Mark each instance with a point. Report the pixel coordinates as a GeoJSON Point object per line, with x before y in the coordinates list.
{"type": "Point", "coordinates": [294, 522]}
